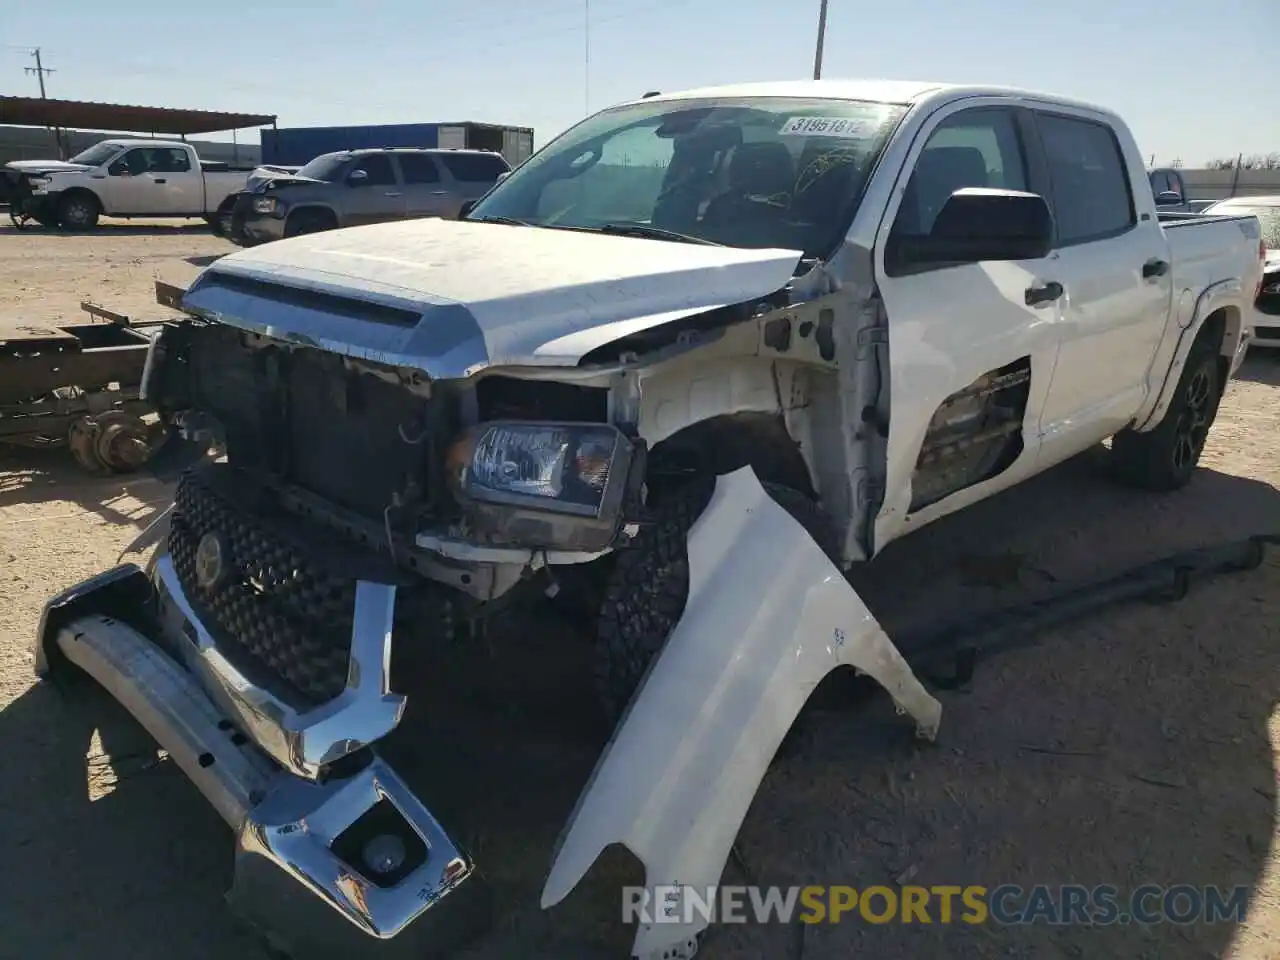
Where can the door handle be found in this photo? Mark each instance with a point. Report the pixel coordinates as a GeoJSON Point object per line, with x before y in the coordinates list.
{"type": "Point", "coordinates": [391, 194]}
{"type": "Point", "coordinates": [439, 193]}
{"type": "Point", "coordinates": [1048, 293]}
{"type": "Point", "coordinates": [1154, 268]}
{"type": "Point", "coordinates": [160, 180]}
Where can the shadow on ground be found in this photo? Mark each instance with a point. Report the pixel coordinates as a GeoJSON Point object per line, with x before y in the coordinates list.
{"type": "Point", "coordinates": [108, 228]}
{"type": "Point", "coordinates": [204, 261]}
{"type": "Point", "coordinates": [1129, 748]}
{"type": "Point", "coordinates": [1261, 366]}
{"type": "Point", "coordinates": [35, 476]}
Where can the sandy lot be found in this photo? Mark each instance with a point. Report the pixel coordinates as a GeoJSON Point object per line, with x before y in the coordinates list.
{"type": "Point", "coordinates": [1135, 747]}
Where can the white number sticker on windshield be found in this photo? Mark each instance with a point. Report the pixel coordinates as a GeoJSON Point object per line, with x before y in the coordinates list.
{"type": "Point", "coordinates": [828, 127]}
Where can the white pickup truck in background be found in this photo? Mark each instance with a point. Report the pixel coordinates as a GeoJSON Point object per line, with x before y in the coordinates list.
{"type": "Point", "coordinates": [122, 178]}
{"type": "Point", "coordinates": [689, 362]}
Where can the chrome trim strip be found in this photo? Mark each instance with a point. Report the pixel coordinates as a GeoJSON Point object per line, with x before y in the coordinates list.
{"type": "Point", "coordinates": [301, 741]}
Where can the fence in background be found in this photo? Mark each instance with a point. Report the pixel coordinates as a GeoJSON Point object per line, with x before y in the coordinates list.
{"type": "Point", "coordinates": [1205, 184]}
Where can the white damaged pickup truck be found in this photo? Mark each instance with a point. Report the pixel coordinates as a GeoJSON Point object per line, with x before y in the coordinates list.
{"type": "Point", "coordinates": [690, 361]}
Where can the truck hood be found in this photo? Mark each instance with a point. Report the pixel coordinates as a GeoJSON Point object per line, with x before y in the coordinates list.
{"type": "Point", "coordinates": [264, 178]}
{"type": "Point", "coordinates": [452, 297]}
{"type": "Point", "coordinates": [45, 166]}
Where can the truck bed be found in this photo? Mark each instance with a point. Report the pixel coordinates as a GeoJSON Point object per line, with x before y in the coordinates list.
{"type": "Point", "coordinates": [1207, 249]}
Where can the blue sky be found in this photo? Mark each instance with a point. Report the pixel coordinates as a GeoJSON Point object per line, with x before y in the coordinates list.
{"type": "Point", "coordinates": [317, 62]}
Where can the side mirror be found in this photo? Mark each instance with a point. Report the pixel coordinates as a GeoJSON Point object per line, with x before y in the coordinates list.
{"type": "Point", "coordinates": [356, 177]}
{"type": "Point", "coordinates": [118, 169]}
{"type": "Point", "coordinates": [466, 207]}
{"type": "Point", "coordinates": [978, 224]}
{"type": "Point", "coordinates": [502, 176]}
{"type": "Point", "coordinates": [1168, 198]}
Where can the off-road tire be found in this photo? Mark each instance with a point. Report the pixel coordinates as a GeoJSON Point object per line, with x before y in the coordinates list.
{"type": "Point", "coordinates": [308, 221]}
{"type": "Point", "coordinates": [1165, 458]}
{"type": "Point", "coordinates": [79, 211]}
{"type": "Point", "coordinates": [649, 586]}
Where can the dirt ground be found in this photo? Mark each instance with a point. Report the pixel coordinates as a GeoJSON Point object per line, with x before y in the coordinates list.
{"type": "Point", "coordinates": [1137, 746]}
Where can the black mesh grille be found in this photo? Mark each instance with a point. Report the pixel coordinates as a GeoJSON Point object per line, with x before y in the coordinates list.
{"type": "Point", "coordinates": [281, 616]}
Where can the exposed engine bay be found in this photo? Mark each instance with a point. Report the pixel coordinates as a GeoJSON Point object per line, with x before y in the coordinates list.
{"type": "Point", "coordinates": [371, 451]}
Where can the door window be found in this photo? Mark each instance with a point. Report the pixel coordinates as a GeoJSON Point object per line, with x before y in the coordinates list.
{"type": "Point", "coordinates": [151, 160]}
{"type": "Point", "coordinates": [1091, 195]}
{"type": "Point", "coordinates": [418, 168]}
{"type": "Point", "coordinates": [379, 170]}
{"type": "Point", "coordinates": [972, 148]}
{"type": "Point", "coordinates": [170, 160]}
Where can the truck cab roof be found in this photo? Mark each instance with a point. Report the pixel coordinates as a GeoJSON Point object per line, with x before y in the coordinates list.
{"type": "Point", "coordinates": [905, 92]}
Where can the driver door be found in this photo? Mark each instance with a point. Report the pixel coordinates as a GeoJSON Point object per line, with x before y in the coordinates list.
{"type": "Point", "coordinates": [373, 192]}
{"type": "Point", "coordinates": [129, 188]}
{"type": "Point", "coordinates": [953, 326]}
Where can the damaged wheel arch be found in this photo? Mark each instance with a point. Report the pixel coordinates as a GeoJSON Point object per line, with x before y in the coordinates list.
{"type": "Point", "coordinates": [760, 630]}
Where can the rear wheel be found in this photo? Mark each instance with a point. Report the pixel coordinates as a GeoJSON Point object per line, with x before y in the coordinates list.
{"type": "Point", "coordinates": [79, 211]}
{"type": "Point", "coordinates": [1164, 459]}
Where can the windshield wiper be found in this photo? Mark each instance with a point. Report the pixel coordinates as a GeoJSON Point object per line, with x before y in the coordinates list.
{"type": "Point", "coordinates": [509, 221]}
{"type": "Point", "coordinates": [653, 233]}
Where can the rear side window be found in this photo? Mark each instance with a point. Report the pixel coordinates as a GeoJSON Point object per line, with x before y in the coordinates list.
{"type": "Point", "coordinates": [1091, 196]}
{"type": "Point", "coordinates": [474, 167]}
{"type": "Point", "coordinates": [418, 168]}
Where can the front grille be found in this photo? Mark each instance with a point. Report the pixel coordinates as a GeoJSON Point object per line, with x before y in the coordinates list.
{"type": "Point", "coordinates": [282, 616]}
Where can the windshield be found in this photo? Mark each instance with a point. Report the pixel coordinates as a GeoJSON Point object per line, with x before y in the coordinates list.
{"type": "Point", "coordinates": [325, 166]}
{"type": "Point", "coordinates": [96, 155]}
{"type": "Point", "coordinates": [745, 172]}
{"type": "Point", "coordinates": [1268, 216]}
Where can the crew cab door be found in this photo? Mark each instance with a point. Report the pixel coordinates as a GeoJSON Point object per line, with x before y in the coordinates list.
{"type": "Point", "coordinates": [1112, 258]}
{"type": "Point", "coordinates": [372, 192]}
{"type": "Point", "coordinates": [425, 192]}
{"type": "Point", "coordinates": [153, 181]}
{"type": "Point", "coordinates": [952, 327]}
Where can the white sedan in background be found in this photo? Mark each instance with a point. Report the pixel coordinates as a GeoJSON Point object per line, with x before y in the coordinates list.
{"type": "Point", "coordinates": [1266, 314]}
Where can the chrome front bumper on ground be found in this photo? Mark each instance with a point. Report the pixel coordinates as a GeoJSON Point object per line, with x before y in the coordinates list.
{"type": "Point", "coordinates": [349, 865]}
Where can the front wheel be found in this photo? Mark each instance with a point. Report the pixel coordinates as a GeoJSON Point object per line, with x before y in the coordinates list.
{"type": "Point", "coordinates": [79, 211]}
{"type": "Point", "coordinates": [1164, 459]}
{"type": "Point", "coordinates": [308, 221]}
{"type": "Point", "coordinates": [649, 585]}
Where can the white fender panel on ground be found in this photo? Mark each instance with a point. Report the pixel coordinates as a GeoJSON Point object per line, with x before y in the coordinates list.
{"type": "Point", "coordinates": [768, 616]}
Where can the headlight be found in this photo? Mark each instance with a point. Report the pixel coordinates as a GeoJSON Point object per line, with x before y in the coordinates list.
{"type": "Point", "coordinates": [265, 205]}
{"type": "Point", "coordinates": [1272, 288]}
{"type": "Point", "coordinates": [550, 485]}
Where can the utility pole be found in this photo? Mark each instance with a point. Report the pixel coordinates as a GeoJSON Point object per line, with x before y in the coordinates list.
{"type": "Point", "coordinates": [40, 70]}
{"type": "Point", "coordinates": [822, 35]}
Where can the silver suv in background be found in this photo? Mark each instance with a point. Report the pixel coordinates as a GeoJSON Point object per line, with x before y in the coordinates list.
{"type": "Point", "coordinates": [355, 187]}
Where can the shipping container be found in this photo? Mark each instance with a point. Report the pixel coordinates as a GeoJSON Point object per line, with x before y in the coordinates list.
{"type": "Point", "coordinates": [294, 146]}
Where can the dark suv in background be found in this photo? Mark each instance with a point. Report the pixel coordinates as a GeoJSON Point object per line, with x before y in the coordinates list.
{"type": "Point", "coordinates": [354, 187]}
